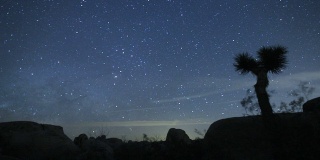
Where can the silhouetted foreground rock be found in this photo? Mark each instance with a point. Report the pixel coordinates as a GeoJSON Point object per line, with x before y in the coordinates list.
{"type": "Point", "coordinates": [177, 136]}
{"type": "Point", "coordinates": [30, 140]}
{"type": "Point", "coordinates": [289, 136]}
{"type": "Point", "coordinates": [312, 105]}
{"type": "Point", "coordinates": [293, 136]}
{"type": "Point", "coordinates": [161, 150]}
{"type": "Point", "coordinates": [33, 141]}
{"type": "Point", "coordinates": [177, 146]}
{"type": "Point", "coordinates": [94, 148]}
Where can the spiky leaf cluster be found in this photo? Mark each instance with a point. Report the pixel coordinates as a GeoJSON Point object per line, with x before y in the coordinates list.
{"type": "Point", "coordinates": [273, 58]}
{"type": "Point", "coordinates": [245, 63]}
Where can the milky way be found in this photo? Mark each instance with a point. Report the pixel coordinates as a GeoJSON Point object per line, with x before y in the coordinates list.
{"type": "Point", "coordinates": [133, 67]}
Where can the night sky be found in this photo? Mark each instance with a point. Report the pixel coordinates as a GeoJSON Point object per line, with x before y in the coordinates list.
{"type": "Point", "coordinates": [129, 67]}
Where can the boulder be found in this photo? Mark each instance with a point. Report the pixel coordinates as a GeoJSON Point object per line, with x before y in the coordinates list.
{"type": "Point", "coordinates": [177, 136]}
{"type": "Point", "coordinates": [96, 145]}
{"type": "Point", "coordinates": [80, 140]}
{"type": "Point", "coordinates": [93, 148]}
{"type": "Point", "coordinates": [312, 105]}
{"type": "Point", "coordinates": [244, 136]}
{"type": "Point", "coordinates": [96, 149]}
{"type": "Point", "coordinates": [30, 140]}
{"type": "Point", "coordinates": [294, 136]}
{"type": "Point", "coordinates": [8, 158]}
{"type": "Point", "coordinates": [114, 142]}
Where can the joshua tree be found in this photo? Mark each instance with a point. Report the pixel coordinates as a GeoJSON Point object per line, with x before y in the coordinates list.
{"type": "Point", "coordinates": [270, 59]}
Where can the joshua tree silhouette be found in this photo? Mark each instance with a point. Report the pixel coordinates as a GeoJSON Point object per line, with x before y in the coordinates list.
{"type": "Point", "coordinates": [270, 59]}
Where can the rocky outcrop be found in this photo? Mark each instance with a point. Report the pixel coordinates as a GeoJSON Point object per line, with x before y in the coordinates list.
{"type": "Point", "coordinates": [8, 158]}
{"type": "Point", "coordinates": [30, 140]}
{"type": "Point", "coordinates": [97, 150]}
{"type": "Point", "coordinates": [93, 148]}
{"type": "Point", "coordinates": [177, 136]}
{"type": "Point", "coordinates": [80, 140]}
{"type": "Point", "coordinates": [114, 143]}
{"type": "Point", "coordinates": [159, 150]}
{"type": "Point", "coordinates": [293, 136]}
{"type": "Point", "coordinates": [312, 105]}
{"type": "Point", "coordinates": [177, 146]}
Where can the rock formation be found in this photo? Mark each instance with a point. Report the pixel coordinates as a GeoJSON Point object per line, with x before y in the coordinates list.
{"type": "Point", "coordinates": [294, 136]}
{"type": "Point", "coordinates": [312, 105]}
{"type": "Point", "coordinates": [30, 140]}
{"type": "Point", "coordinates": [177, 136]}
{"type": "Point", "coordinates": [80, 140]}
{"type": "Point", "coordinates": [93, 148]}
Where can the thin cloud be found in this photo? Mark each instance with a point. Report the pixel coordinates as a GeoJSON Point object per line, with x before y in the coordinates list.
{"type": "Point", "coordinates": [305, 76]}
{"type": "Point", "coordinates": [175, 99]}
{"type": "Point", "coordinates": [139, 123]}
{"type": "Point", "coordinates": [184, 98]}
{"type": "Point", "coordinates": [291, 81]}
{"type": "Point", "coordinates": [138, 109]}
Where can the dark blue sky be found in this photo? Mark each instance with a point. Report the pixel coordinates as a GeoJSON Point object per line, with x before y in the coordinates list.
{"type": "Point", "coordinates": [145, 66]}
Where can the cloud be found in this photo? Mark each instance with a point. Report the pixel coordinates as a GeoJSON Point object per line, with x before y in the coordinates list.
{"type": "Point", "coordinates": [214, 88]}
{"type": "Point", "coordinates": [140, 123]}
{"type": "Point", "coordinates": [175, 99]}
{"type": "Point", "coordinates": [280, 81]}
{"type": "Point", "coordinates": [305, 76]}
{"type": "Point", "coordinates": [178, 99]}
{"type": "Point", "coordinates": [284, 82]}
{"type": "Point", "coordinates": [292, 80]}
{"type": "Point", "coordinates": [138, 109]}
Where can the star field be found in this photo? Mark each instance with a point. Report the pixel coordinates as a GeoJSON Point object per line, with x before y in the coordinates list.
{"type": "Point", "coordinates": [145, 66]}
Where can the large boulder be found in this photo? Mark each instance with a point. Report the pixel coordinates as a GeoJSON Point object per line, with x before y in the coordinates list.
{"type": "Point", "coordinates": [114, 143]}
{"type": "Point", "coordinates": [80, 140]}
{"type": "Point", "coordinates": [93, 148]}
{"type": "Point", "coordinates": [312, 105]}
{"type": "Point", "coordinates": [30, 140]}
{"type": "Point", "coordinates": [244, 136]}
{"type": "Point", "coordinates": [8, 158]}
{"type": "Point", "coordinates": [177, 136]}
{"type": "Point", "coordinates": [293, 136]}
{"type": "Point", "coordinates": [96, 149]}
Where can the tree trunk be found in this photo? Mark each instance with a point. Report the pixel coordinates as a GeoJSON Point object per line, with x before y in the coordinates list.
{"type": "Point", "coordinates": [262, 95]}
